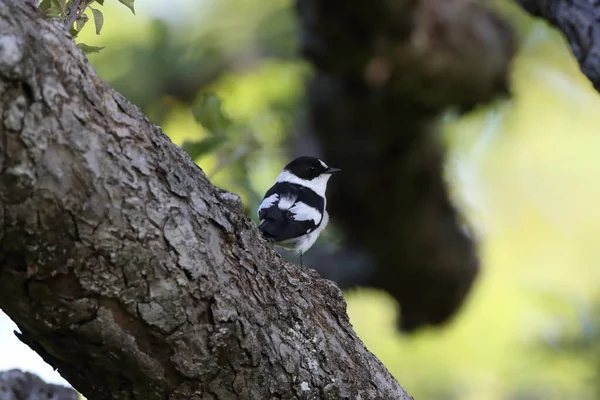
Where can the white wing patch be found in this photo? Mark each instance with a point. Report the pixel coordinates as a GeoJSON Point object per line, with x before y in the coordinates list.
{"type": "Point", "coordinates": [268, 202]}
{"type": "Point", "coordinates": [304, 212]}
{"type": "Point", "coordinates": [285, 203]}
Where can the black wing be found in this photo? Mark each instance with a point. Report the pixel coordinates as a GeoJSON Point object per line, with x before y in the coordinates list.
{"type": "Point", "coordinates": [279, 225]}
{"type": "Point", "coordinates": [277, 221]}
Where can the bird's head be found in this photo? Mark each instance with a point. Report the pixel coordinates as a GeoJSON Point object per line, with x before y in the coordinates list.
{"type": "Point", "coordinates": [308, 171]}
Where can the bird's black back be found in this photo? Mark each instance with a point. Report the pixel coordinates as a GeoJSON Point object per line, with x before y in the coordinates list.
{"type": "Point", "coordinates": [280, 225]}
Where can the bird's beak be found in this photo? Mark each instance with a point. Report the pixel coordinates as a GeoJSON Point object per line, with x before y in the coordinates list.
{"type": "Point", "coordinates": [331, 170]}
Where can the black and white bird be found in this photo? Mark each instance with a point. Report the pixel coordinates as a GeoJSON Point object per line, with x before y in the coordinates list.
{"type": "Point", "coordinates": [293, 212]}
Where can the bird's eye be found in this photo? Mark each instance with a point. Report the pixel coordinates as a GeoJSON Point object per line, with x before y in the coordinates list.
{"type": "Point", "coordinates": [313, 169]}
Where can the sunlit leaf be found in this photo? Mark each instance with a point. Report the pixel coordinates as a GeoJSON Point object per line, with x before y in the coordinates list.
{"type": "Point", "coordinates": [87, 49]}
{"type": "Point", "coordinates": [98, 20]}
{"type": "Point", "coordinates": [129, 4]}
{"type": "Point", "coordinates": [204, 146]}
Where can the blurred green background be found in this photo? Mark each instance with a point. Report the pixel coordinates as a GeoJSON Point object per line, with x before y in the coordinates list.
{"type": "Point", "coordinates": [223, 79]}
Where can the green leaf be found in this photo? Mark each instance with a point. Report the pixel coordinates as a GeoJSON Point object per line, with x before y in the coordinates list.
{"type": "Point", "coordinates": [87, 49]}
{"type": "Point", "coordinates": [129, 4]}
{"type": "Point", "coordinates": [45, 5]}
{"type": "Point", "coordinates": [80, 22]}
{"type": "Point", "coordinates": [50, 8]}
{"type": "Point", "coordinates": [98, 19]}
{"type": "Point", "coordinates": [204, 146]}
{"type": "Point", "coordinates": [74, 32]}
{"type": "Point", "coordinates": [60, 4]}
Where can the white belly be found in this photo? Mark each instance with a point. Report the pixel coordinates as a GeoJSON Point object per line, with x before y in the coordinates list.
{"type": "Point", "coordinates": [300, 245]}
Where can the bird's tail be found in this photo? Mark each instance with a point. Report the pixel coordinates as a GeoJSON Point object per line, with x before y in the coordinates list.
{"type": "Point", "coordinates": [263, 227]}
{"type": "Point", "coordinates": [271, 228]}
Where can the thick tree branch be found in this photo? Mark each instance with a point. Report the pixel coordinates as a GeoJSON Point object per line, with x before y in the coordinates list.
{"type": "Point", "coordinates": [578, 20]}
{"type": "Point", "coordinates": [128, 271]}
{"type": "Point", "coordinates": [384, 71]}
{"type": "Point", "coordinates": [18, 385]}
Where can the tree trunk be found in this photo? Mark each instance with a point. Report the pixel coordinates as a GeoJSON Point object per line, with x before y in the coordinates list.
{"type": "Point", "coordinates": [128, 271]}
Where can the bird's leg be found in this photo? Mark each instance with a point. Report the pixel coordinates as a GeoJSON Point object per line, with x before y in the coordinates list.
{"type": "Point", "coordinates": [301, 264]}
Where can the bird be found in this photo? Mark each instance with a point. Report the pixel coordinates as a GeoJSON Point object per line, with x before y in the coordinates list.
{"type": "Point", "coordinates": [293, 211]}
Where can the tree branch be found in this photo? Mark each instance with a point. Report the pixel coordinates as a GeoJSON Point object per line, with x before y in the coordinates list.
{"type": "Point", "coordinates": [72, 16]}
{"type": "Point", "coordinates": [384, 72]}
{"type": "Point", "coordinates": [18, 385]}
{"type": "Point", "coordinates": [128, 271]}
{"type": "Point", "coordinates": [578, 20]}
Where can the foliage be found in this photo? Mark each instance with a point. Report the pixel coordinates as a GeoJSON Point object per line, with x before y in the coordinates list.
{"type": "Point", "coordinates": [72, 14]}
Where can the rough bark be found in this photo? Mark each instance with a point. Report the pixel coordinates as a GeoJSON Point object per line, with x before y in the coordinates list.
{"type": "Point", "coordinates": [384, 71]}
{"type": "Point", "coordinates": [19, 385]}
{"type": "Point", "coordinates": [128, 271]}
{"type": "Point", "coordinates": [578, 20]}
